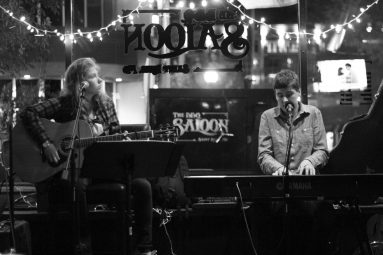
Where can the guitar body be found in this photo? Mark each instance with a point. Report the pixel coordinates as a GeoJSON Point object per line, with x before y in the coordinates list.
{"type": "Point", "coordinates": [29, 162]}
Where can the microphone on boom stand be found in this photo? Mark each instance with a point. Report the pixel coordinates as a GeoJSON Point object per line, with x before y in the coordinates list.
{"type": "Point", "coordinates": [289, 106]}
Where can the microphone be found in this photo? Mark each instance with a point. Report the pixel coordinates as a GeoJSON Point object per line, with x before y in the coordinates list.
{"type": "Point", "coordinates": [84, 85]}
{"type": "Point", "coordinates": [289, 107]}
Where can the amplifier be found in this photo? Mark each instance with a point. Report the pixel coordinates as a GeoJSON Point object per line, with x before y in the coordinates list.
{"type": "Point", "coordinates": [23, 242]}
{"type": "Point", "coordinates": [24, 196]}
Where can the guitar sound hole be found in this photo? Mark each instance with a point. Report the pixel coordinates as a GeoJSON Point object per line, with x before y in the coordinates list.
{"type": "Point", "coordinates": [65, 144]}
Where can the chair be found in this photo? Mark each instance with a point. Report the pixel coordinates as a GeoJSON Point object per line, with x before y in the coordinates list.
{"type": "Point", "coordinates": [123, 161]}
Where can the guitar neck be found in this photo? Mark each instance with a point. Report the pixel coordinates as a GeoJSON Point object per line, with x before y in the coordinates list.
{"type": "Point", "coordinates": [85, 142]}
{"type": "Point", "coordinates": [140, 135]}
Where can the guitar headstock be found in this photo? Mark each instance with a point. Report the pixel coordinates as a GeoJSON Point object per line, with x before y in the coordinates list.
{"type": "Point", "coordinates": [166, 132]}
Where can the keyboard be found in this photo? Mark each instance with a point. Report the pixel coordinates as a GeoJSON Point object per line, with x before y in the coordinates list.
{"type": "Point", "coordinates": [252, 187]}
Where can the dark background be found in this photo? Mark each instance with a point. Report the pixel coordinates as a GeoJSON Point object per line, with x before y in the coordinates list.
{"type": "Point", "coordinates": [244, 108]}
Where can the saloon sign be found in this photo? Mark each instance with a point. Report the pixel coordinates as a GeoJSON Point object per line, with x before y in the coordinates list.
{"type": "Point", "coordinates": [233, 45]}
{"type": "Point", "coordinates": [198, 119]}
{"type": "Point", "coordinates": [201, 126]}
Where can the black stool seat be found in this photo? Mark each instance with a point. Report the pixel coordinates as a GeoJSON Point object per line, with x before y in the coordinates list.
{"type": "Point", "coordinates": [114, 195]}
{"type": "Point", "coordinates": [108, 193]}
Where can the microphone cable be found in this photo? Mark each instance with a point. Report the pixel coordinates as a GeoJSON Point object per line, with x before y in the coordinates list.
{"type": "Point", "coordinates": [244, 217]}
{"type": "Point", "coordinates": [165, 218]}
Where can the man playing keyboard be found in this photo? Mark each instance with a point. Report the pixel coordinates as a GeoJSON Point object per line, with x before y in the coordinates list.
{"type": "Point", "coordinates": [295, 234]}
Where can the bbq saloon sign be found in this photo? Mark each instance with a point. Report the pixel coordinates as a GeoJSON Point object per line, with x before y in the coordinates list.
{"type": "Point", "coordinates": [190, 34]}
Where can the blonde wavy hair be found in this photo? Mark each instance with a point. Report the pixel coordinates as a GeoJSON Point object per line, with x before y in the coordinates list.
{"type": "Point", "coordinates": [75, 74]}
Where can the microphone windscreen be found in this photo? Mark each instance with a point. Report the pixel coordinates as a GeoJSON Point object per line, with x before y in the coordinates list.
{"type": "Point", "coordinates": [84, 85]}
{"type": "Point", "coordinates": [289, 106]}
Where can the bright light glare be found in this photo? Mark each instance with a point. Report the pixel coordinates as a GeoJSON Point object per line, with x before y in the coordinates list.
{"type": "Point", "coordinates": [210, 76]}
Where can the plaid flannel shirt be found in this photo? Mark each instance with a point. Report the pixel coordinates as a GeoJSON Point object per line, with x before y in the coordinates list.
{"type": "Point", "coordinates": [63, 109]}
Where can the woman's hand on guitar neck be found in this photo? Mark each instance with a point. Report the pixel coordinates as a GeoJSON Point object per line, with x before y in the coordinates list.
{"type": "Point", "coordinates": [50, 152]}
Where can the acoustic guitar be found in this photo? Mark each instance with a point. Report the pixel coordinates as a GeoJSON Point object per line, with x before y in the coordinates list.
{"type": "Point", "coordinates": [30, 164]}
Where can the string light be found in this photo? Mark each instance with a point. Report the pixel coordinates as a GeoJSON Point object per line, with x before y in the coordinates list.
{"type": "Point", "coordinates": [72, 36]}
{"type": "Point", "coordinates": [338, 28]}
{"type": "Point", "coordinates": [244, 18]}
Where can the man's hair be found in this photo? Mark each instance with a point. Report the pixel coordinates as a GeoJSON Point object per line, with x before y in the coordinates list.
{"type": "Point", "coordinates": [347, 64]}
{"type": "Point", "coordinates": [286, 79]}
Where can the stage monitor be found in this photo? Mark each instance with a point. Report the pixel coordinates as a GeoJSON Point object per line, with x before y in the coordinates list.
{"type": "Point", "coordinates": [340, 75]}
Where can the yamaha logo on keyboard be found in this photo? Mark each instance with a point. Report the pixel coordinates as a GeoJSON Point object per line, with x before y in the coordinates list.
{"type": "Point", "coordinates": [295, 186]}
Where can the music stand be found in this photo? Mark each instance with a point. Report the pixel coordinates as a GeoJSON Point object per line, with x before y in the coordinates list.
{"type": "Point", "coordinates": [124, 160]}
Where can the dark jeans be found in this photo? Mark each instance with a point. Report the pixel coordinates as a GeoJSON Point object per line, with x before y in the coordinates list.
{"type": "Point", "coordinates": [142, 205]}
{"type": "Point", "coordinates": [303, 230]}
{"type": "Point", "coordinates": [55, 196]}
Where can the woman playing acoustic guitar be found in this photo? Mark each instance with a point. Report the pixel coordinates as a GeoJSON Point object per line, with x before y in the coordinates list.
{"type": "Point", "coordinates": [98, 110]}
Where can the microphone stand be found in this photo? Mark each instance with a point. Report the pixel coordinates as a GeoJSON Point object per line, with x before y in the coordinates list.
{"type": "Point", "coordinates": [287, 162]}
{"type": "Point", "coordinates": [11, 186]}
{"type": "Point", "coordinates": [286, 180]}
{"type": "Point", "coordinates": [70, 164]}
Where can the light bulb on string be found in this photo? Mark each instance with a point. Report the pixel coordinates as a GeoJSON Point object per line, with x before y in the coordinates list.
{"type": "Point", "coordinates": [181, 4]}
{"type": "Point", "coordinates": [22, 19]}
{"type": "Point", "coordinates": [338, 28]}
{"type": "Point", "coordinates": [204, 3]}
{"type": "Point", "coordinates": [369, 28]}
